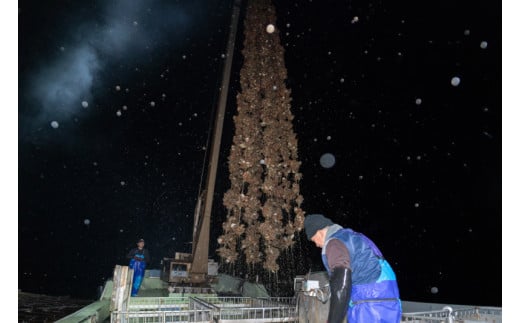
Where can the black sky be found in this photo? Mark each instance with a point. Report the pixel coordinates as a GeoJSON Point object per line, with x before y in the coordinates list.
{"type": "Point", "coordinates": [417, 159]}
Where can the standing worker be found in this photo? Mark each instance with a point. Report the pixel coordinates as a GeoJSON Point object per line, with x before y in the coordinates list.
{"type": "Point", "coordinates": [139, 257]}
{"type": "Point", "coordinates": [362, 282]}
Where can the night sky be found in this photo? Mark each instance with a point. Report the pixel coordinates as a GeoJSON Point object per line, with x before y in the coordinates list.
{"type": "Point", "coordinates": [115, 103]}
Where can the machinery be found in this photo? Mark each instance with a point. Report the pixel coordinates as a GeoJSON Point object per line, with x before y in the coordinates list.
{"type": "Point", "coordinates": [195, 270]}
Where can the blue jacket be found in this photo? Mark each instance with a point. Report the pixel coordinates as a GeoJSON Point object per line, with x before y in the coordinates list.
{"type": "Point", "coordinates": [374, 287]}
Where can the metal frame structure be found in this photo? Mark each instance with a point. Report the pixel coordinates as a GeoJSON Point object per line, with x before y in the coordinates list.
{"type": "Point", "coordinates": [207, 309]}
{"type": "Point", "coordinates": [449, 315]}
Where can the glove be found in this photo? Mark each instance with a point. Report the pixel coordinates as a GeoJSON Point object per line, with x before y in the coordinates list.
{"type": "Point", "coordinates": [340, 289]}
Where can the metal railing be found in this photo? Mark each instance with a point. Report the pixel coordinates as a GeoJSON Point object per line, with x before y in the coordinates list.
{"type": "Point", "coordinates": [449, 315]}
{"type": "Point", "coordinates": [207, 308]}
{"type": "Point", "coordinates": [161, 316]}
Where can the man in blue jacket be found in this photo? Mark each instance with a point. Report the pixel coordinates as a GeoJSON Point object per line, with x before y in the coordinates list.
{"type": "Point", "coordinates": [139, 257]}
{"type": "Point", "coordinates": [362, 282]}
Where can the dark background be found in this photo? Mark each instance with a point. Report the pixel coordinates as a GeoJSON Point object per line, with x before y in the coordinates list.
{"type": "Point", "coordinates": [421, 179]}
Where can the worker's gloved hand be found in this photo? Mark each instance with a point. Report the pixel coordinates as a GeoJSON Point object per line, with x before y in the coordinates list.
{"type": "Point", "coordinates": [340, 288]}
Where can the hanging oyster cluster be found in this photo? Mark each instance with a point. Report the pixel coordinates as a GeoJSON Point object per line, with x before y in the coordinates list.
{"type": "Point", "coordinates": [264, 199]}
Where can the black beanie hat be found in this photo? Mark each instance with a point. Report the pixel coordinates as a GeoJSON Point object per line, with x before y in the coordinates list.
{"type": "Point", "coordinates": [315, 222]}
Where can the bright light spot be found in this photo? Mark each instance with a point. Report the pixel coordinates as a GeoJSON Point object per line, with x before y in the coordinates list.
{"type": "Point", "coordinates": [55, 124]}
{"type": "Point", "coordinates": [354, 20]}
{"type": "Point", "coordinates": [123, 183]}
{"type": "Point", "coordinates": [118, 113]}
{"type": "Point", "coordinates": [152, 104]}
{"type": "Point", "coordinates": [466, 32]}
{"type": "Point", "coordinates": [270, 28]}
{"type": "Point", "coordinates": [118, 88]}
{"type": "Point", "coordinates": [275, 87]}
{"type": "Point", "coordinates": [183, 56]}
{"type": "Point", "coordinates": [121, 230]}
{"type": "Point", "coordinates": [483, 45]}
{"type": "Point", "coordinates": [418, 101]}
{"type": "Point", "coordinates": [327, 160]}
{"type": "Point", "coordinates": [329, 137]}
{"type": "Point", "coordinates": [136, 23]}
{"type": "Point", "coordinates": [288, 25]}
{"type": "Point", "coordinates": [434, 290]}
{"type": "Point", "coordinates": [342, 80]}
{"type": "Point", "coordinates": [262, 162]}
{"type": "Point", "coordinates": [223, 55]}
{"type": "Point", "coordinates": [84, 104]}
{"type": "Point", "coordinates": [86, 221]}
{"type": "Point", "coordinates": [455, 81]}
{"type": "Point", "coordinates": [125, 107]}
{"type": "Point", "coordinates": [416, 205]}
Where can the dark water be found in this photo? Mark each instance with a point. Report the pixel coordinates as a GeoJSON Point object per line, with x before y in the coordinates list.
{"type": "Point", "coordinates": [43, 308]}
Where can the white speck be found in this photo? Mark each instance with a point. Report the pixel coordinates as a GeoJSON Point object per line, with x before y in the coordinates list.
{"type": "Point", "coordinates": [327, 160]}
{"type": "Point", "coordinates": [360, 177]}
{"type": "Point", "coordinates": [118, 88]}
{"type": "Point", "coordinates": [125, 107]}
{"type": "Point", "coordinates": [288, 25]}
{"type": "Point", "coordinates": [342, 80]}
{"type": "Point", "coordinates": [180, 123]}
{"type": "Point", "coordinates": [466, 32]}
{"type": "Point", "coordinates": [183, 56]}
{"type": "Point", "coordinates": [418, 101]}
{"type": "Point", "coordinates": [118, 113]}
{"type": "Point", "coordinates": [435, 290]}
{"type": "Point", "coordinates": [270, 28]}
{"type": "Point", "coordinates": [329, 137]}
{"type": "Point", "coordinates": [275, 87]}
{"type": "Point", "coordinates": [86, 221]}
{"type": "Point", "coordinates": [152, 104]}
{"type": "Point", "coordinates": [418, 157]}
{"type": "Point", "coordinates": [121, 230]}
{"type": "Point", "coordinates": [163, 95]}
{"type": "Point", "coordinates": [315, 139]}
{"type": "Point", "coordinates": [55, 124]}
{"type": "Point", "coordinates": [354, 20]}
{"type": "Point", "coordinates": [173, 238]}
{"type": "Point", "coordinates": [455, 81]}
{"type": "Point", "coordinates": [123, 183]}
{"type": "Point", "coordinates": [329, 53]}
{"type": "Point", "coordinates": [95, 163]}
{"type": "Point", "coordinates": [62, 48]}
{"type": "Point", "coordinates": [416, 205]}
{"type": "Point", "coordinates": [223, 55]}
{"type": "Point", "coordinates": [195, 114]}
{"type": "Point", "coordinates": [135, 23]}
{"type": "Point", "coordinates": [262, 162]}
{"type": "Point", "coordinates": [84, 104]}
{"type": "Point", "coordinates": [127, 90]}
{"type": "Point", "coordinates": [483, 44]}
